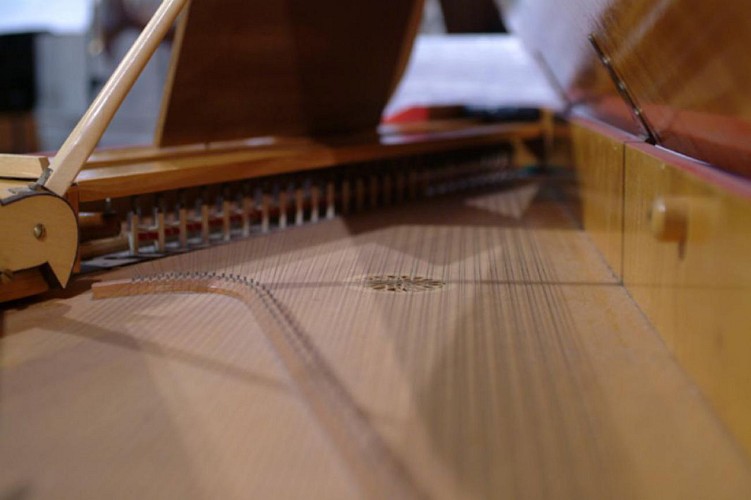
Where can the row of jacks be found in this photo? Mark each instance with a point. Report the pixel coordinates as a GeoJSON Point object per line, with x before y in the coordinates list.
{"type": "Point", "coordinates": [238, 210]}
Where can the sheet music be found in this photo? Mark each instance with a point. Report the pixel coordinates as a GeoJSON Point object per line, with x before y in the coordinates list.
{"type": "Point", "coordinates": [478, 70]}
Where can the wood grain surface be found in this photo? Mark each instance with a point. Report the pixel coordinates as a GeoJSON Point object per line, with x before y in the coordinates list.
{"type": "Point", "coordinates": [693, 279]}
{"type": "Point", "coordinates": [287, 67]}
{"type": "Point", "coordinates": [22, 167]}
{"type": "Point", "coordinates": [128, 172]}
{"type": "Point", "coordinates": [599, 157]}
{"type": "Point", "coordinates": [529, 374]}
{"type": "Point", "coordinates": [683, 61]}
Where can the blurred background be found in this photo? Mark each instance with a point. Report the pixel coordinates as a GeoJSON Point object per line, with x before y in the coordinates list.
{"type": "Point", "coordinates": [55, 57]}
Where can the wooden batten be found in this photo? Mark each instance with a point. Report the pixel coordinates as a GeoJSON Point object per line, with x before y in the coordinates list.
{"type": "Point", "coordinates": [599, 155]}
{"type": "Point", "coordinates": [22, 166]}
{"type": "Point", "coordinates": [127, 173]}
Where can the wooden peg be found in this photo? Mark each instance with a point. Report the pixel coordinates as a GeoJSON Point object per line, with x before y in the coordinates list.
{"type": "Point", "coordinates": [160, 224]}
{"type": "Point", "coordinates": [247, 211]}
{"type": "Point", "coordinates": [283, 208]}
{"type": "Point", "coordinates": [330, 200]}
{"type": "Point", "coordinates": [265, 209]}
{"type": "Point", "coordinates": [134, 223]}
{"type": "Point", "coordinates": [226, 214]}
{"type": "Point", "coordinates": [299, 206]}
{"type": "Point", "coordinates": [315, 199]}
{"type": "Point", "coordinates": [205, 213]}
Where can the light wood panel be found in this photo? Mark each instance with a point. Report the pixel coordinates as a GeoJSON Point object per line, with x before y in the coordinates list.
{"type": "Point", "coordinates": [38, 229]}
{"type": "Point", "coordinates": [248, 68]}
{"type": "Point", "coordinates": [599, 154]}
{"type": "Point", "coordinates": [692, 276]}
{"type": "Point", "coordinates": [22, 167]}
{"type": "Point", "coordinates": [9, 187]}
{"type": "Point", "coordinates": [529, 374]}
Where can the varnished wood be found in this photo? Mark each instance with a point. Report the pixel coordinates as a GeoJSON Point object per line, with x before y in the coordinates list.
{"type": "Point", "coordinates": [22, 166]}
{"type": "Point", "coordinates": [688, 269]}
{"type": "Point", "coordinates": [126, 173]}
{"type": "Point", "coordinates": [524, 369]}
{"type": "Point", "coordinates": [599, 154]}
{"type": "Point", "coordinates": [38, 229]}
{"type": "Point", "coordinates": [18, 133]}
{"type": "Point", "coordinates": [288, 67]}
{"type": "Point", "coordinates": [682, 60]}
{"type": "Point", "coordinates": [516, 379]}
{"type": "Point", "coordinates": [23, 284]}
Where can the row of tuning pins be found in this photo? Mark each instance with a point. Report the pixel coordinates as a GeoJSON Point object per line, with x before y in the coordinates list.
{"type": "Point", "coordinates": [234, 213]}
{"type": "Point", "coordinates": [238, 212]}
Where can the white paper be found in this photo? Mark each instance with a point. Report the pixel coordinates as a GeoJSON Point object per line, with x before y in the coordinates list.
{"type": "Point", "coordinates": [478, 70]}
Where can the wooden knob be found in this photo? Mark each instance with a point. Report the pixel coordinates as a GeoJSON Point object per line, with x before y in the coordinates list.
{"type": "Point", "coordinates": [668, 219]}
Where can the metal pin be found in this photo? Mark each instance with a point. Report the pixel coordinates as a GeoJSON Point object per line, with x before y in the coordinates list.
{"type": "Point", "coordinates": [652, 136]}
{"type": "Point", "coordinates": [40, 232]}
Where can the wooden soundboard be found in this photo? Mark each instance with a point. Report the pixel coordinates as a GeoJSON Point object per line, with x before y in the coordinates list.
{"type": "Point", "coordinates": [474, 346]}
{"type": "Point", "coordinates": [472, 337]}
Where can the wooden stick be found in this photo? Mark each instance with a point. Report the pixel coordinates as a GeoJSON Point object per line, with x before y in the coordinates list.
{"type": "Point", "coordinates": [81, 142]}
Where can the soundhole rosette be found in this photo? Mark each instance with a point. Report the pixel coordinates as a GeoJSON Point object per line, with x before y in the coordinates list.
{"type": "Point", "coordinates": [399, 283]}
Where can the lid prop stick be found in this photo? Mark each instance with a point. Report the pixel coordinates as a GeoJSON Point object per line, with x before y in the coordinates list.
{"type": "Point", "coordinates": [81, 142]}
